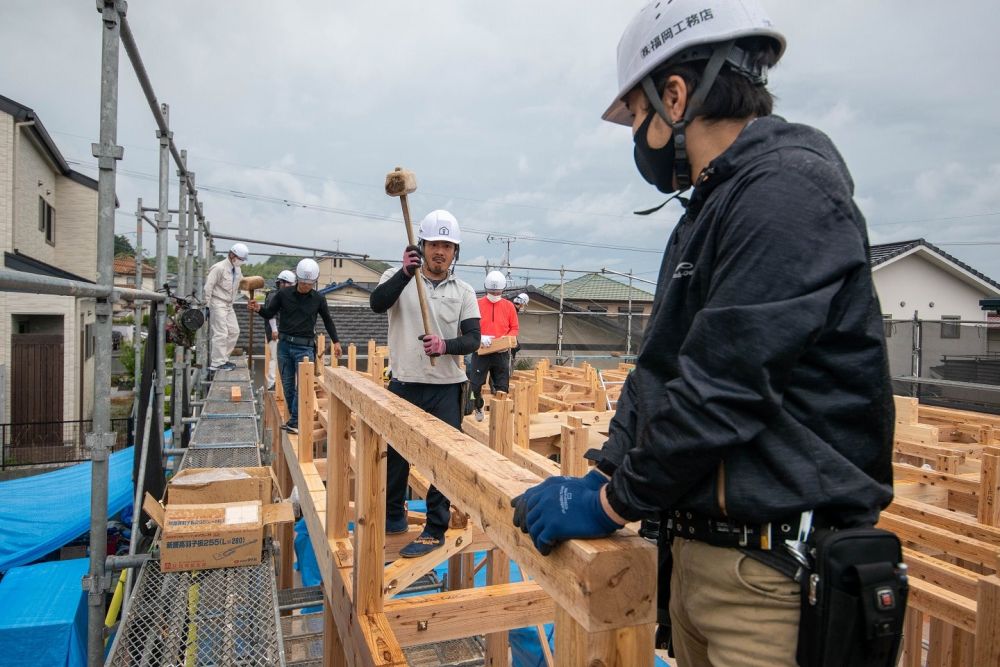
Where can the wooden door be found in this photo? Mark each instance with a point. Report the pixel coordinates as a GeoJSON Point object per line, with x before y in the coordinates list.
{"type": "Point", "coordinates": [36, 389]}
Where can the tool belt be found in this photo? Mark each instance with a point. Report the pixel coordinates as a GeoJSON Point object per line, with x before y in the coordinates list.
{"type": "Point", "coordinates": [736, 534]}
{"type": "Point", "coordinates": [304, 341]}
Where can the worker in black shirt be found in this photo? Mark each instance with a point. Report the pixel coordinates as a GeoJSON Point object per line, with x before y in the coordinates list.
{"type": "Point", "coordinates": [298, 307]}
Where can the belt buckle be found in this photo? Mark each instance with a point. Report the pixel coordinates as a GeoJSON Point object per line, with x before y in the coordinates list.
{"type": "Point", "coordinates": [743, 536]}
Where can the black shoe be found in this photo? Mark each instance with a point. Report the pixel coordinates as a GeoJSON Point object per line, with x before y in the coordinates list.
{"type": "Point", "coordinates": [396, 526]}
{"type": "Point", "coordinates": [291, 428]}
{"type": "Point", "coordinates": [421, 546]}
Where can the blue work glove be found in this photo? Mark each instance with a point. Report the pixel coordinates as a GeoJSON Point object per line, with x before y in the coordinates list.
{"type": "Point", "coordinates": [563, 508]}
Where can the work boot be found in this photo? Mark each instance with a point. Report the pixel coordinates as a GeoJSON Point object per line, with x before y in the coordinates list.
{"type": "Point", "coordinates": [291, 428]}
{"type": "Point", "coordinates": [396, 526]}
{"type": "Point", "coordinates": [421, 546]}
{"type": "Point", "coordinates": [479, 415]}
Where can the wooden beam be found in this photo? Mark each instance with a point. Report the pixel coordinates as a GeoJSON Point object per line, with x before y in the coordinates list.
{"type": "Point", "coordinates": [573, 445]}
{"type": "Point", "coordinates": [402, 572]}
{"type": "Point", "coordinates": [497, 563]}
{"type": "Point", "coordinates": [936, 538]}
{"type": "Point", "coordinates": [605, 583]}
{"type": "Point", "coordinates": [436, 617]}
{"type": "Point", "coordinates": [989, 488]}
{"type": "Point", "coordinates": [352, 357]}
{"type": "Point", "coordinates": [988, 622]}
{"type": "Point", "coordinates": [906, 409]}
{"type": "Point", "coordinates": [946, 519]}
{"type": "Point", "coordinates": [338, 468]}
{"type": "Point", "coordinates": [921, 433]}
{"type": "Point", "coordinates": [941, 573]}
{"type": "Point", "coordinates": [333, 649]}
{"type": "Point", "coordinates": [942, 604]}
{"type": "Point", "coordinates": [522, 414]}
{"type": "Point", "coordinates": [307, 405]}
{"type": "Point", "coordinates": [907, 473]}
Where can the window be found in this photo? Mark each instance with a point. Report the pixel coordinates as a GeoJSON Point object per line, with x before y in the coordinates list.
{"type": "Point", "coordinates": [89, 341]}
{"type": "Point", "coordinates": [597, 308]}
{"type": "Point", "coordinates": [950, 327]}
{"type": "Point", "coordinates": [47, 221]}
{"type": "Point", "coordinates": [887, 324]}
{"type": "Point", "coordinates": [637, 319]}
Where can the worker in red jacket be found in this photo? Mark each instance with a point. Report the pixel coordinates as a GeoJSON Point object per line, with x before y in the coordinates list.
{"type": "Point", "coordinates": [498, 318]}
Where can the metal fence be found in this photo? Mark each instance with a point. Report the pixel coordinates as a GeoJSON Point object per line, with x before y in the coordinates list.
{"type": "Point", "coordinates": [39, 443]}
{"type": "Point", "coordinates": [946, 362]}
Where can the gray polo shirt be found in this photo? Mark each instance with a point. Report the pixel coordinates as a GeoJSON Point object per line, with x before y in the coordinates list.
{"type": "Point", "coordinates": [450, 302]}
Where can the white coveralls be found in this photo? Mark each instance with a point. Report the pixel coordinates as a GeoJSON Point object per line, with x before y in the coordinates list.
{"type": "Point", "coordinates": [221, 289]}
{"type": "Point", "coordinates": [272, 368]}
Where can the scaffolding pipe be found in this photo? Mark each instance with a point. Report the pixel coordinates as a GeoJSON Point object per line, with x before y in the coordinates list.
{"type": "Point", "coordinates": [289, 245]}
{"type": "Point", "coordinates": [199, 297]}
{"type": "Point", "coordinates": [137, 311]}
{"type": "Point", "coordinates": [107, 153]}
{"type": "Point", "coordinates": [139, 489]}
{"type": "Point", "coordinates": [176, 399]}
{"type": "Point", "coordinates": [162, 221]}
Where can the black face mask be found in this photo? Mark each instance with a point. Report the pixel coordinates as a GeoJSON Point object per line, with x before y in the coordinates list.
{"type": "Point", "coordinates": [655, 165]}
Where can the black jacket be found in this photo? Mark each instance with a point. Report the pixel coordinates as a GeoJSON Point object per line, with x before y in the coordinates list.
{"type": "Point", "coordinates": [297, 312]}
{"type": "Point", "coordinates": [763, 367]}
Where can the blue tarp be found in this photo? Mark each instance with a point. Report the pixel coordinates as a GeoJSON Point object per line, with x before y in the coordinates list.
{"type": "Point", "coordinates": [525, 644]}
{"type": "Point", "coordinates": [42, 513]}
{"type": "Point", "coordinates": [43, 615]}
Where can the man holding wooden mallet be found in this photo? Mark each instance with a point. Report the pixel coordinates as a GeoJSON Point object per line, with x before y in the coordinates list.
{"type": "Point", "coordinates": [433, 322]}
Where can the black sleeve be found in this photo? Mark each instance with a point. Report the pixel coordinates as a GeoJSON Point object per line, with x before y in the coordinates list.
{"type": "Point", "coordinates": [386, 294]}
{"type": "Point", "coordinates": [468, 342]}
{"type": "Point", "coordinates": [783, 256]}
{"type": "Point", "coordinates": [272, 305]}
{"type": "Point", "coordinates": [324, 312]}
{"type": "Point", "coordinates": [268, 300]}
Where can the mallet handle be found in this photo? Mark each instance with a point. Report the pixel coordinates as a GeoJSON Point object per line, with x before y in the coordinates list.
{"type": "Point", "coordinates": [421, 297]}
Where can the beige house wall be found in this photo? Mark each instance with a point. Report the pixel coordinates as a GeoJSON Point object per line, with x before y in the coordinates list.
{"type": "Point", "coordinates": [6, 180]}
{"type": "Point", "coordinates": [340, 269]}
{"type": "Point", "coordinates": [349, 295]}
{"type": "Point", "coordinates": [35, 177]}
{"type": "Point", "coordinates": [76, 228]}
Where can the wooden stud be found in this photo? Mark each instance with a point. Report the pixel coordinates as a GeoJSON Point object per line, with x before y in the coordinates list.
{"type": "Point", "coordinates": [988, 622]}
{"type": "Point", "coordinates": [369, 527]}
{"type": "Point", "coordinates": [372, 351]}
{"type": "Point", "coordinates": [307, 407]}
{"type": "Point", "coordinates": [320, 352]}
{"type": "Point", "coordinates": [624, 647]}
{"type": "Point", "coordinates": [352, 357]}
{"type": "Point", "coordinates": [913, 639]}
{"type": "Point", "coordinates": [572, 448]}
{"type": "Point", "coordinates": [522, 415]}
{"type": "Point", "coordinates": [338, 467]}
{"type": "Point", "coordinates": [333, 649]}
{"type": "Point", "coordinates": [402, 572]}
{"type": "Point", "coordinates": [989, 488]}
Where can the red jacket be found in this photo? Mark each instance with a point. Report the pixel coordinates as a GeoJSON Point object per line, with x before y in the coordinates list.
{"type": "Point", "coordinates": [497, 319]}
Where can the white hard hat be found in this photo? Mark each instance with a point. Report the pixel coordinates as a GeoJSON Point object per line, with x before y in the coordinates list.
{"type": "Point", "coordinates": [495, 280]}
{"type": "Point", "coordinates": [440, 225]}
{"type": "Point", "coordinates": [240, 250]}
{"type": "Point", "coordinates": [287, 276]}
{"type": "Point", "coordinates": [521, 299]}
{"type": "Point", "coordinates": [661, 32]}
{"type": "Point", "coordinates": [307, 270]}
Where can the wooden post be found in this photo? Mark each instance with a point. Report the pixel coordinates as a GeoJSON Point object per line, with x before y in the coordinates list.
{"type": "Point", "coordinates": [338, 466]}
{"type": "Point", "coordinates": [624, 647]}
{"type": "Point", "coordinates": [913, 639]}
{"type": "Point", "coordinates": [333, 649]}
{"type": "Point", "coordinates": [369, 528]}
{"type": "Point", "coordinates": [279, 388]}
{"type": "Point", "coordinates": [522, 416]}
{"type": "Point", "coordinates": [573, 445]}
{"type": "Point", "coordinates": [320, 353]}
{"type": "Point", "coordinates": [285, 530]}
{"type": "Point", "coordinates": [989, 488]}
{"type": "Point", "coordinates": [497, 563]}
{"type": "Point", "coordinates": [988, 621]}
{"type": "Point", "coordinates": [352, 357]}
{"type": "Point", "coordinates": [307, 405]}
{"type": "Point", "coordinates": [372, 351]}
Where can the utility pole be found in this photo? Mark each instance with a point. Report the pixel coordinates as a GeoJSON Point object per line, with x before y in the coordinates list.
{"type": "Point", "coordinates": [559, 337]}
{"type": "Point", "coordinates": [505, 262]}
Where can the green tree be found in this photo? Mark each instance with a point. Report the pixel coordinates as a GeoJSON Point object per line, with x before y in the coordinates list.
{"type": "Point", "coordinates": [123, 246]}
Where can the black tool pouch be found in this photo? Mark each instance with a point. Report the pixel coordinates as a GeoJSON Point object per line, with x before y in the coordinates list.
{"type": "Point", "coordinates": [853, 601]}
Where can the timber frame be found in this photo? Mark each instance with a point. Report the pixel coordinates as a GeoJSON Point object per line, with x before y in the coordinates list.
{"type": "Point", "coordinates": [599, 593]}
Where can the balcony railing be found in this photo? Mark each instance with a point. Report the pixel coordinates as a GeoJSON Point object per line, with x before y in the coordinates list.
{"type": "Point", "coordinates": [38, 443]}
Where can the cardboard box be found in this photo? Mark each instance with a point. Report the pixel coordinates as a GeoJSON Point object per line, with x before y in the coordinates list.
{"type": "Point", "coordinates": [197, 486]}
{"type": "Point", "coordinates": [222, 520]}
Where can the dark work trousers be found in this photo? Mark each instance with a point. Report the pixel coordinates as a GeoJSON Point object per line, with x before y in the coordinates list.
{"type": "Point", "coordinates": [444, 401]}
{"type": "Point", "coordinates": [497, 366]}
{"type": "Point", "coordinates": [289, 357]}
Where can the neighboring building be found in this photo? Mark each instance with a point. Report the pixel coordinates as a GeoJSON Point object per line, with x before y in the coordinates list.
{"type": "Point", "coordinates": [335, 268]}
{"type": "Point", "coordinates": [917, 276]}
{"type": "Point", "coordinates": [48, 226]}
{"type": "Point", "coordinates": [125, 277]}
{"type": "Point", "coordinates": [597, 293]}
{"type": "Point", "coordinates": [348, 292]}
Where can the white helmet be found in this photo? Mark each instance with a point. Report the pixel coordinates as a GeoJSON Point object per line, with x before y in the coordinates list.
{"type": "Point", "coordinates": [240, 250]}
{"type": "Point", "coordinates": [307, 270]}
{"type": "Point", "coordinates": [495, 280]}
{"type": "Point", "coordinates": [663, 32]}
{"type": "Point", "coordinates": [440, 225]}
{"type": "Point", "coordinates": [521, 299]}
{"type": "Point", "coordinates": [287, 276]}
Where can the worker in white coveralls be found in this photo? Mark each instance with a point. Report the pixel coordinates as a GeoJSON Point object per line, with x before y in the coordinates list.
{"type": "Point", "coordinates": [221, 288]}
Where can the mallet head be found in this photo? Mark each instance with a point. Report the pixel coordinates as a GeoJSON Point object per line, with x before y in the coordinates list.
{"type": "Point", "coordinates": [400, 182]}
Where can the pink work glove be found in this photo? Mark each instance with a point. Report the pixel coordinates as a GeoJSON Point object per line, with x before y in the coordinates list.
{"type": "Point", "coordinates": [411, 260]}
{"type": "Point", "coordinates": [433, 345]}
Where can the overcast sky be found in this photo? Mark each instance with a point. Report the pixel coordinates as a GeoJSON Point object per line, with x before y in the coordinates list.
{"type": "Point", "coordinates": [496, 107]}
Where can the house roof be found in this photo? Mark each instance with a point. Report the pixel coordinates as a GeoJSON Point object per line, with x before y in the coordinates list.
{"type": "Point", "coordinates": [355, 324]}
{"type": "Point", "coordinates": [373, 264]}
{"type": "Point", "coordinates": [125, 266]}
{"type": "Point", "coordinates": [334, 287]}
{"type": "Point", "coordinates": [883, 253]}
{"type": "Point", "coordinates": [22, 114]}
{"type": "Point", "coordinates": [21, 262]}
{"type": "Point", "coordinates": [595, 287]}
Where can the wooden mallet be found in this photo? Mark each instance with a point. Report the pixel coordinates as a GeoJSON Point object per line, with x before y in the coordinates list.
{"type": "Point", "coordinates": [251, 283]}
{"type": "Point", "coordinates": [399, 183]}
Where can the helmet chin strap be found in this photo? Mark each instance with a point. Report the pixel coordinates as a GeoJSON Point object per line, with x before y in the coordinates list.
{"type": "Point", "coordinates": [682, 165]}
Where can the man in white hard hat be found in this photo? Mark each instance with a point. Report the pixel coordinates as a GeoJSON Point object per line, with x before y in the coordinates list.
{"type": "Point", "coordinates": [759, 415]}
{"type": "Point", "coordinates": [438, 389]}
{"type": "Point", "coordinates": [221, 287]}
{"type": "Point", "coordinates": [497, 318]}
{"type": "Point", "coordinates": [297, 309]}
{"type": "Point", "coordinates": [285, 279]}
